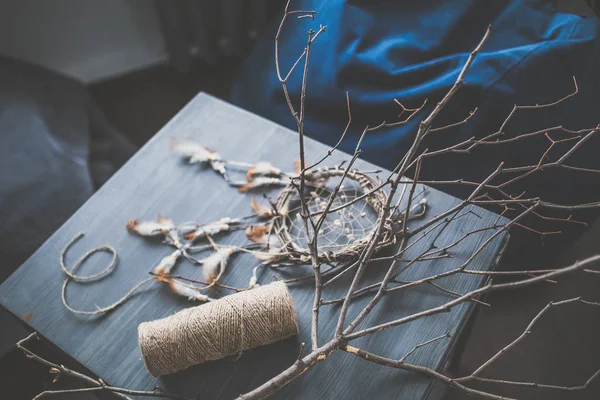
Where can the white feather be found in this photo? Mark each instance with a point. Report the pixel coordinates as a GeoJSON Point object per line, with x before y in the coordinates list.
{"type": "Point", "coordinates": [214, 265]}
{"type": "Point", "coordinates": [188, 292]}
{"type": "Point", "coordinates": [253, 280]}
{"type": "Point", "coordinates": [269, 240]}
{"type": "Point", "coordinates": [265, 168]}
{"type": "Point", "coordinates": [261, 181]}
{"type": "Point", "coordinates": [218, 164]}
{"type": "Point", "coordinates": [149, 228]}
{"type": "Point", "coordinates": [167, 263]}
{"type": "Point", "coordinates": [210, 229]}
{"type": "Point", "coordinates": [187, 148]}
{"type": "Point", "coordinates": [215, 227]}
{"type": "Point", "coordinates": [253, 283]}
{"type": "Point", "coordinates": [194, 151]}
{"type": "Point", "coordinates": [270, 255]}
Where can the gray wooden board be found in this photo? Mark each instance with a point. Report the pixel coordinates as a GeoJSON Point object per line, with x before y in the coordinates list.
{"type": "Point", "coordinates": [156, 181]}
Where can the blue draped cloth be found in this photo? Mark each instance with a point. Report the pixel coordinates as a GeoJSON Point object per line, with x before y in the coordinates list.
{"type": "Point", "coordinates": [411, 51]}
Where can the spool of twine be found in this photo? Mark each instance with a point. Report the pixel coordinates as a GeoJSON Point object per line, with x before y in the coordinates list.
{"type": "Point", "coordinates": [218, 329]}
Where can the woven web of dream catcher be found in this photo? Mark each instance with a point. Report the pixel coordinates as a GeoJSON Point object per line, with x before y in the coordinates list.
{"type": "Point", "coordinates": [351, 221]}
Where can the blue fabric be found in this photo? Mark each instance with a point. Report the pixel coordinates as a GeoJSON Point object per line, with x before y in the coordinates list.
{"type": "Point", "coordinates": [411, 51]}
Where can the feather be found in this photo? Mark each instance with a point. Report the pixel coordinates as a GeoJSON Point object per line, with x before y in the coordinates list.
{"type": "Point", "coordinates": [213, 266]}
{"type": "Point", "coordinates": [298, 166]}
{"type": "Point", "coordinates": [253, 283]}
{"type": "Point", "coordinates": [261, 234]}
{"type": "Point", "coordinates": [194, 151]}
{"type": "Point", "coordinates": [271, 255]}
{"type": "Point", "coordinates": [253, 280]}
{"type": "Point", "coordinates": [262, 210]}
{"type": "Point", "coordinates": [262, 181]}
{"type": "Point", "coordinates": [262, 168]}
{"type": "Point", "coordinates": [258, 233]}
{"type": "Point", "coordinates": [147, 228]}
{"type": "Point", "coordinates": [218, 165]}
{"type": "Point", "coordinates": [165, 221]}
{"type": "Point", "coordinates": [222, 225]}
{"type": "Point", "coordinates": [173, 238]}
{"type": "Point", "coordinates": [167, 263]}
{"type": "Point", "coordinates": [186, 291]}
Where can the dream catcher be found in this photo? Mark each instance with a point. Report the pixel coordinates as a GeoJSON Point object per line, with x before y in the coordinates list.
{"type": "Point", "coordinates": [348, 225]}
{"type": "Point", "coordinates": [281, 240]}
{"type": "Point", "coordinates": [276, 233]}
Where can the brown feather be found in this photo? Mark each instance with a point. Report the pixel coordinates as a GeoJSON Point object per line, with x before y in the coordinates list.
{"type": "Point", "coordinates": [255, 233]}
{"type": "Point", "coordinates": [250, 173]}
{"type": "Point", "coordinates": [131, 225]}
{"type": "Point", "coordinates": [190, 235]}
{"type": "Point", "coordinates": [263, 211]}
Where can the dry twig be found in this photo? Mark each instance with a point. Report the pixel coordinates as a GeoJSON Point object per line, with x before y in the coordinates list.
{"type": "Point", "coordinates": [95, 384]}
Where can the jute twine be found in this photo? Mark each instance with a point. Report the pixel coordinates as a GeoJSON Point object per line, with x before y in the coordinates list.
{"type": "Point", "coordinates": [218, 329]}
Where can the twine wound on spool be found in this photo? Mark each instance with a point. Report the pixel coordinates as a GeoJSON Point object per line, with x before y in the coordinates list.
{"type": "Point", "coordinates": [218, 329]}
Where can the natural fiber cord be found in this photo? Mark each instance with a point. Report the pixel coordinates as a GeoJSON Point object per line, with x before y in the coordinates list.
{"type": "Point", "coordinates": [218, 329]}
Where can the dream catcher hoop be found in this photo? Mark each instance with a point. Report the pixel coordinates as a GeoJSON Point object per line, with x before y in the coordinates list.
{"type": "Point", "coordinates": [348, 225]}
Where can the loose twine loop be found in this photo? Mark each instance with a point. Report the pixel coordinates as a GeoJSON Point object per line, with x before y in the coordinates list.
{"type": "Point", "coordinates": [218, 329]}
{"type": "Point", "coordinates": [71, 275]}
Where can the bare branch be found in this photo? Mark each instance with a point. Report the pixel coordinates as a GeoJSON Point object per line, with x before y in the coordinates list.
{"type": "Point", "coordinates": [96, 384]}
{"type": "Point", "coordinates": [464, 121]}
{"type": "Point", "coordinates": [536, 106]}
{"type": "Point", "coordinates": [422, 370]}
{"type": "Point", "coordinates": [485, 289]}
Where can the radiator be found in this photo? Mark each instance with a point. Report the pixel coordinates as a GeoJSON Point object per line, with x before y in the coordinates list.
{"type": "Point", "coordinates": [212, 31]}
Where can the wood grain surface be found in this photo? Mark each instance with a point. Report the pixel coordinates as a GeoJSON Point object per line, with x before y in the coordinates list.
{"type": "Point", "coordinates": [156, 181]}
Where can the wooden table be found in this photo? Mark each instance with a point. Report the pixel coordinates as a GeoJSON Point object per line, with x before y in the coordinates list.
{"type": "Point", "coordinates": [156, 181]}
